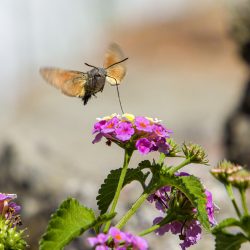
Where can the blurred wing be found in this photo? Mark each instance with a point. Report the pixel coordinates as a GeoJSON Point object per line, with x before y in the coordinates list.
{"type": "Point", "coordinates": [71, 83]}
{"type": "Point", "coordinates": [113, 55]}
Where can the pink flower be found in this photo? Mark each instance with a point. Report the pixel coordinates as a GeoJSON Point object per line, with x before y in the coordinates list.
{"type": "Point", "coordinates": [124, 131]}
{"type": "Point", "coordinates": [161, 131]}
{"type": "Point", "coordinates": [130, 132]}
{"type": "Point", "coordinates": [99, 240]}
{"type": "Point", "coordinates": [117, 235]}
{"type": "Point", "coordinates": [98, 126]}
{"type": "Point", "coordinates": [118, 240]}
{"type": "Point", "coordinates": [110, 125]}
{"type": "Point", "coordinates": [143, 124]}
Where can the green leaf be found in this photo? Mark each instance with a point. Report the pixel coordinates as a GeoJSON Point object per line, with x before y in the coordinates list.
{"type": "Point", "coordinates": [69, 221]}
{"type": "Point", "coordinates": [193, 190]}
{"type": "Point", "coordinates": [229, 222]}
{"type": "Point", "coordinates": [145, 164]}
{"type": "Point", "coordinates": [245, 224]}
{"type": "Point", "coordinates": [227, 241]}
{"type": "Point", "coordinates": [107, 190]}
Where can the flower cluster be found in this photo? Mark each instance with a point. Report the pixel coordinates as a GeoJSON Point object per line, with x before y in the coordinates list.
{"type": "Point", "coordinates": [188, 230]}
{"type": "Point", "coordinates": [9, 209]}
{"type": "Point", "coordinates": [142, 133]}
{"type": "Point", "coordinates": [10, 236]}
{"type": "Point", "coordinates": [118, 240]}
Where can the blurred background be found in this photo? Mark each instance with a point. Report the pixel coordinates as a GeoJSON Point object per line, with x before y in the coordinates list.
{"type": "Point", "coordinates": [188, 65]}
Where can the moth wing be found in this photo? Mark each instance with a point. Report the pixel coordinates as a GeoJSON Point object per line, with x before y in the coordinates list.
{"type": "Point", "coordinates": [71, 83]}
{"type": "Point", "coordinates": [115, 73]}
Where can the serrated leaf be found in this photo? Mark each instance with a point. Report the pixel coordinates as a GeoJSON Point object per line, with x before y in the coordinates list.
{"type": "Point", "coordinates": [227, 241]}
{"type": "Point", "coordinates": [69, 221]}
{"type": "Point", "coordinates": [193, 190]}
{"type": "Point", "coordinates": [107, 190]}
{"type": "Point", "coordinates": [145, 164]}
{"type": "Point", "coordinates": [229, 222]}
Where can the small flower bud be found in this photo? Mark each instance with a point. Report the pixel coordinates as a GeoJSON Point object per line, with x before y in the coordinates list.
{"type": "Point", "coordinates": [195, 153]}
{"type": "Point", "coordinates": [173, 148]}
{"type": "Point", "coordinates": [240, 179]}
{"type": "Point", "coordinates": [10, 237]}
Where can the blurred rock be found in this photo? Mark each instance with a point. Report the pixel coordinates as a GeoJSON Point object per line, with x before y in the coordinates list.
{"type": "Point", "coordinates": [237, 127]}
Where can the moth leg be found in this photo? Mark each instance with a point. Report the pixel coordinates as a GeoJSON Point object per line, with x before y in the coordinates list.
{"type": "Point", "coordinates": [86, 98]}
{"type": "Point", "coordinates": [102, 88]}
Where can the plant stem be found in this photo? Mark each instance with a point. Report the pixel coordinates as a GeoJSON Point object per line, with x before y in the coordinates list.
{"type": "Point", "coordinates": [166, 220]}
{"type": "Point", "coordinates": [231, 196]}
{"type": "Point", "coordinates": [132, 210]}
{"type": "Point", "coordinates": [149, 230]}
{"type": "Point", "coordinates": [127, 157]}
{"type": "Point", "coordinates": [243, 200]}
{"type": "Point", "coordinates": [184, 163]}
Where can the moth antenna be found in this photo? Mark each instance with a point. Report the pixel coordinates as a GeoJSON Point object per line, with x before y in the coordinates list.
{"type": "Point", "coordinates": [117, 62]}
{"type": "Point", "coordinates": [89, 65]}
{"type": "Point", "coordinates": [118, 93]}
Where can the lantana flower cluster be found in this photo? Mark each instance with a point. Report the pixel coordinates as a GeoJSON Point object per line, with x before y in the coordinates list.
{"type": "Point", "coordinates": [189, 230]}
{"type": "Point", "coordinates": [134, 132]}
{"type": "Point", "coordinates": [9, 209]}
{"type": "Point", "coordinates": [118, 240]}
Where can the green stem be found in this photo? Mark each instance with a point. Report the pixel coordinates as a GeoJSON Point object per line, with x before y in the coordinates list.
{"type": "Point", "coordinates": [132, 210]}
{"type": "Point", "coordinates": [166, 220]}
{"type": "Point", "coordinates": [127, 157]}
{"type": "Point", "coordinates": [231, 196]}
{"type": "Point", "coordinates": [149, 230]}
{"type": "Point", "coordinates": [243, 200]}
{"type": "Point", "coordinates": [184, 163]}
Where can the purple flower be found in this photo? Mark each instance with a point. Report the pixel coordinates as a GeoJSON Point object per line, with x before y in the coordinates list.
{"type": "Point", "coordinates": [118, 240]}
{"type": "Point", "coordinates": [210, 208]}
{"type": "Point", "coordinates": [139, 243]}
{"type": "Point", "coordinates": [101, 247]}
{"type": "Point", "coordinates": [130, 132]}
{"type": "Point", "coordinates": [124, 131]}
{"type": "Point", "coordinates": [143, 124]}
{"type": "Point", "coordinates": [191, 234]}
{"type": "Point", "coordinates": [99, 240]}
{"type": "Point", "coordinates": [143, 145]}
{"type": "Point", "coordinates": [163, 229]}
{"type": "Point", "coordinates": [117, 235]}
{"type": "Point", "coordinates": [98, 126]}
{"type": "Point", "coordinates": [10, 209]}
{"type": "Point", "coordinates": [110, 125]}
{"type": "Point", "coordinates": [163, 146]}
{"type": "Point", "coordinates": [160, 131]}
{"type": "Point", "coordinates": [161, 198]}
{"type": "Point", "coordinates": [98, 138]}
{"type": "Point", "coordinates": [175, 227]}
{"type": "Point", "coordinates": [189, 231]}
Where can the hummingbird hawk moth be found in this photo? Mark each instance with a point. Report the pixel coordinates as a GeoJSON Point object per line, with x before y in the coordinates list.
{"type": "Point", "coordinates": [85, 85]}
